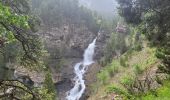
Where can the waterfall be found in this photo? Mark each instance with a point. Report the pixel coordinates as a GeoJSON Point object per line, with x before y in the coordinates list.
{"type": "Point", "coordinates": [79, 69]}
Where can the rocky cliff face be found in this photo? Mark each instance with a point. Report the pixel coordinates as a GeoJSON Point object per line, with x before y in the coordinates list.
{"type": "Point", "coordinates": [66, 46]}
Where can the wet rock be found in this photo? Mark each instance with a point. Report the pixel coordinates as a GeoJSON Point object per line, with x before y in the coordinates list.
{"type": "Point", "coordinates": [101, 44]}
{"type": "Point", "coordinates": [62, 88]}
{"type": "Point", "coordinates": [69, 43]}
{"type": "Point", "coordinates": [90, 78]}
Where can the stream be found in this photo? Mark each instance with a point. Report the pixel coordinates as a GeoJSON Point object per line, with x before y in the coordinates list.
{"type": "Point", "coordinates": [80, 69]}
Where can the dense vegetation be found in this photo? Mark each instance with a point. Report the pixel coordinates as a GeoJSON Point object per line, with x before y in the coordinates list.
{"type": "Point", "coordinates": [57, 13]}
{"type": "Point", "coordinates": [131, 75]}
{"type": "Point", "coordinates": [19, 46]}
{"type": "Point", "coordinates": [126, 56]}
{"type": "Point", "coordinates": [19, 22]}
{"type": "Point", "coordinates": [152, 17]}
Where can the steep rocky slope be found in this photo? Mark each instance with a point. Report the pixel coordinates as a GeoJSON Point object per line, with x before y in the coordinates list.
{"type": "Point", "coordinates": [66, 46]}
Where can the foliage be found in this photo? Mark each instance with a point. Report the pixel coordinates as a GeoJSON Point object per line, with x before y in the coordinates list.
{"type": "Point", "coordinates": [7, 18]}
{"type": "Point", "coordinates": [152, 18]}
{"type": "Point", "coordinates": [115, 47]}
{"type": "Point", "coordinates": [162, 93]}
{"type": "Point", "coordinates": [137, 69]}
{"type": "Point", "coordinates": [103, 77]}
{"type": "Point", "coordinates": [15, 25]}
{"type": "Point", "coordinates": [118, 90]}
{"type": "Point", "coordinates": [128, 83]}
{"type": "Point", "coordinates": [58, 13]}
{"type": "Point", "coordinates": [127, 80]}
{"type": "Point", "coordinates": [164, 54]}
{"type": "Point", "coordinates": [143, 65]}
{"type": "Point", "coordinates": [138, 47]}
{"type": "Point", "coordinates": [123, 61]}
{"type": "Point", "coordinates": [112, 69]}
{"type": "Point", "coordinates": [108, 71]}
{"type": "Point", "coordinates": [45, 94]}
{"type": "Point", "coordinates": [48, 83]}
{"type": "Point", "coordinates": [18, 43]}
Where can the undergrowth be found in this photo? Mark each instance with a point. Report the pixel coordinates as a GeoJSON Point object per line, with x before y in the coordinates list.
{"type": "Point", "coordinates": [162, 93]}
{"type": "Point", "coordinates": [108, 72]}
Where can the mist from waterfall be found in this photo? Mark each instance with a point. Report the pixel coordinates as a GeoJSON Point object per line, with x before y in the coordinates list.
{"type": "Point", "coordinates": [80, 69]}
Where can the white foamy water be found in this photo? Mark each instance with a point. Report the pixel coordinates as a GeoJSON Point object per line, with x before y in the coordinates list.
{"type": "Point", "coordinates": [80, 69]}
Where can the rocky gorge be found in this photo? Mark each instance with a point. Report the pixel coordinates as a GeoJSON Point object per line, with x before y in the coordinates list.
{"type": "Point", "coordinates": [66, 46]}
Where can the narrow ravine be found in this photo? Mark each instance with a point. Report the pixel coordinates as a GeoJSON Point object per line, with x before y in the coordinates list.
{"type": "Point", "coordinates": [80, 69]}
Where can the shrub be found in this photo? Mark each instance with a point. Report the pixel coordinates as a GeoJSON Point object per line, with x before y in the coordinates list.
{"type": "Point", "coordinates": [137, 69]}
{"type": "Point", "coordinates": [45, 95]}
{"type": "Point", "coordinates": [112, 68]}
{"type": "Point", "coordinates": [129, 53]}
{"type": "Point", "coordinates": [49, 86]}
{"type": "Point", "coordinates": [103, 77]}
{"type": "Point", "coordinates": [123, 61]}
{"type": "Point", "coordinates": [112, 88]}
{"type": "Point", "coordinates": [163, 93]}
{"type": "Point", "coordinates": [94, 88]}
{"type": "Point", "coordinates": [127, 80]}
{"type": "Point", "coordinates": [138, 47]}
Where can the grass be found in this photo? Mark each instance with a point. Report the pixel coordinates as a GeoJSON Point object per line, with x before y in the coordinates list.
{"type": "Point", "coordinates": [108, 72]}
{"type": "Point", "coordinates": [137, 69]}
{"type": "Point", "coordinates": [162, 93]}
{"type": "Point", "coordinates": [123, 61]}
{"type": "Point", "coordinates": [117, 76]}
{"type": "Point", "coordinates": [127, 80]}
{"type": "Point", "coordinates": [103, 77]}
{"type": "Point", "coordinates": [113, 88]}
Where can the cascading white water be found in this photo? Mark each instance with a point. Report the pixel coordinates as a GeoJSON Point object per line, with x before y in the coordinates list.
{"type": "Point", "coordinates": [80, 68]}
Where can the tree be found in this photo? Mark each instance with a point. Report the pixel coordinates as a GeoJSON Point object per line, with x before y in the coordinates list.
{"type": "Point", "coordinates": [152, 17]}
{"type": "Point", "coordinates": [17, 28]}
{"type": "Point", "coordinates": [17, 25]}
{"type": "Point", "coordinates": [57, 13]}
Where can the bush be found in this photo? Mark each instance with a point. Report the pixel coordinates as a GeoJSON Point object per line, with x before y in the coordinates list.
{"type": "Point", "coordinates": [129, 53]}
{"type": "Point", "coordinates": [113, 88]}
{"type": "Point", "coordinates": [112, 68]}
{"type": "Point", "coordinates": [118, 90]}
{"type": "Point", "coordinates": [103, 77]}
{"type": "Point", "coordinates": [127, 80]}
{"type": "Point", "coordinates": [45, 95]}
{"type": "Point", "coordinates": [123, 61]}
{"type": "Point", "coordinates": [163, 93]}
{"type": "Point", "coordinates": [108, 71]}
{"type": "Point", "coordinates": [49, 85]}
{"type": "Point", "coordinates": [138, 47]}
{"type": "Point", "coordinates": [137, 69]}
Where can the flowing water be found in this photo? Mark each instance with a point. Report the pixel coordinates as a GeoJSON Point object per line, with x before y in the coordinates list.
{"type": "Point", "coordinates": [79, 69]}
